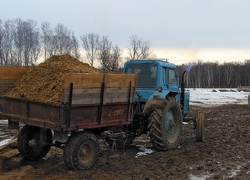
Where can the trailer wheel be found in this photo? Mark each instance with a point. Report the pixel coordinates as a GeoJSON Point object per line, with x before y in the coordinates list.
{"type": "Point", "coordinates": [34, 143]}
{"type": "Point", "coordinates": [165, 124]}
{"type": "Point", "coordinates": [81, 152]}
{"type": "Point", "coordinates": [200, 118]}
{"type": "Point", "coordinates": [67, 150]}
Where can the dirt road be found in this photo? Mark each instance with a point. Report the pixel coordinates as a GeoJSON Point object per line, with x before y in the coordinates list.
{"type": "Point", "coordinates": [225, 154]}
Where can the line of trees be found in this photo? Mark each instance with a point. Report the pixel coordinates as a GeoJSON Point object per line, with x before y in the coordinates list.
{"type": "Point", "coordinates": [22, 42]}
{"type": "Point", "coordinates": [215, 75]}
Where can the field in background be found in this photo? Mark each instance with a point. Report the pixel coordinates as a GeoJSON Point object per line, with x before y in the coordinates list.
{"type": "Point", "coordinates": [216, 96]}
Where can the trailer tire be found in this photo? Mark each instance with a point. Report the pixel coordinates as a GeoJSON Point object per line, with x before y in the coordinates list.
{"type": "Point", "coordinates": [34, 143]}
{"type": "Point", "coordinates": [82, 151]}
{"type": "Point", "coordinates": [67, 151]}
{"type": "Point", "coordinates": [165, 124]}
{"type": "Point", "coordinates": [200, 120]}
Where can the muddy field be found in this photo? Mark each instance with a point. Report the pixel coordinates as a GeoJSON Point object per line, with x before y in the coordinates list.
{"type": "Point", "coordinates": [225, 154]}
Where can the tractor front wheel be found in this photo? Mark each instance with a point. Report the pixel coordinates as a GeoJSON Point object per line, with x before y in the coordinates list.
{"type": "Point", "coordinates": [165, 124]}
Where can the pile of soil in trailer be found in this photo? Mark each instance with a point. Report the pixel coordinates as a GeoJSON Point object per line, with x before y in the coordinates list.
{"type": "Point", "coordinates": [44, 82]}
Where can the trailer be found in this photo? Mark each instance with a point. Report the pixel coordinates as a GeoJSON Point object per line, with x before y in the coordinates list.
{"type": "Point", "coordinates": [91, 104]}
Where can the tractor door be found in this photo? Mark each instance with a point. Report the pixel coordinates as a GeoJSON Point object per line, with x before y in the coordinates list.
{"type": "Point", "coordinates": [170, 79]}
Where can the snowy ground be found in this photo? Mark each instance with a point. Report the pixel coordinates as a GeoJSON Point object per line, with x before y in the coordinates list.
{"type": "Point", "coordinates": [213, 97]}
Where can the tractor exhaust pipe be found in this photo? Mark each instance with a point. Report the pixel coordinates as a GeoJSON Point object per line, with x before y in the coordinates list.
{"type": "Point", "coordinates": [182, 90]}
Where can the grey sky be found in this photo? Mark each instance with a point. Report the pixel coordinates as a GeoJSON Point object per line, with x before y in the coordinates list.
{"type": "Point", "coordinates": [165, 23]}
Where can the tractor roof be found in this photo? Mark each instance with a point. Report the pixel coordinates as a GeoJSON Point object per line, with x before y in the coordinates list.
{"type": "Point", "coordinates": [161, 62]}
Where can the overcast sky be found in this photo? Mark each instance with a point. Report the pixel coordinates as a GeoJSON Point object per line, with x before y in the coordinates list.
{"type": "Point", "coordinates": [195, 24]}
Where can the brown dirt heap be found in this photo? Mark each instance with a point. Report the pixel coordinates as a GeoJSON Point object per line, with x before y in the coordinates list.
{"type": "Point", "coordinates": [44, 82]}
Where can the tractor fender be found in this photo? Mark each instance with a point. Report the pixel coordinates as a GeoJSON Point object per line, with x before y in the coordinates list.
{"type": "Point", "coordinates": [157, 99]}
{"type": "Point", "coordinates": [163, 94]}
{"type": "Point", "coordinates": [152, 104]}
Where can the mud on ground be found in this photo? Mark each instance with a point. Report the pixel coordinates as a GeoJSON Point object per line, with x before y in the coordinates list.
{"type": "Point", "coordinates": [225, 154]}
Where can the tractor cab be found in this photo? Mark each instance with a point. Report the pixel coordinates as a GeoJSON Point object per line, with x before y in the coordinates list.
{"type": "Point", "coordinates": [157, 79]}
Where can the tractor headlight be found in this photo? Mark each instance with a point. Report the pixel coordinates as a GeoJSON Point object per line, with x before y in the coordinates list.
{"type": "Point", "coordinates": [159, 88]}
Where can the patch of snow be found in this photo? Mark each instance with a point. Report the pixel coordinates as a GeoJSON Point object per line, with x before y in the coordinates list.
{"type": "Point", "coordinates": [144, 151]}
{"type": "Point", "coordinates": [200, 177]}
{"type": "Point", "coordinates": [217, 96]}
{"type": "Point", "coordinates": [3, 121]}
{"type": "Point", "coordinates": [234, 172]}
{"type": "Point", "coordinates": [3, 142]}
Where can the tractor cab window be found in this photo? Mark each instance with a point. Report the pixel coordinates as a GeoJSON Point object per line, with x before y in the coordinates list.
{"type": "Point", "coordinates": [170, 77]}
{"type": "Point", "coordinates": [147, 74]}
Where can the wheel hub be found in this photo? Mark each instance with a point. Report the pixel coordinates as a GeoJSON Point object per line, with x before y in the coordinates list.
{"type": "Point", "coordinates": [85, 153]}
{"type": "Point", "coordinates": [169, 122]}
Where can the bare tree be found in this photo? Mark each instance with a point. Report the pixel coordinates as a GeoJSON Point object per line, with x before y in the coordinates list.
{"type": "Point", "coordinates": [134, 47]}
{"type": "Point", "coordinates": [246, 72]}
{"type": "Point", "coordinates": [209, 74]}
{"type": "Point", "coordinates": [32, 46]}
{"type": "Point", "coordinates": [1, 43]}
{"type": "Point", "coordinates": [218, 71]}
{"type": "Point", "coordinates": [115, 58]}
{"type": "Point", "coordinates": [104, 52]}
{"type": "Point", "coordinates": [144, 49]}
{"type": "Point", "coordinates": [47, 39]}
{"type": "Point", "coordinates": [228, 72]}
{"type": "Point", "coordinates": [138, 48]}
{"type": "Point", "coordinates": [74, 47]}
{"type": "Point", "coordinates": [108, 55]}
{"type": "Point", "coordinates": [26, 42]}
{"type": "Point", "coordinates": [61, 38]}
{"type": "Point", "coordinates": [60, 41]}
{"type": "Point", "coordinates": [90, 44]}
{"type": "Point", "coordinates": [8, 43]}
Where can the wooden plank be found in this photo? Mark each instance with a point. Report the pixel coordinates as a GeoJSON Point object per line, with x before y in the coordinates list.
{"type": "Point", "coordinates": [6, 84]}
{"type": "Point", "coordinates": [87, 80]}
{"type": "Point", "coordinates": [95, 90]}
{"type": "Point", "coordinates": [95, 93]}
{"type": "Point", "coordinates": [5, 89]}
{"type": "Point", "coordinates": [13, 72]}
{"type": "Point", "coordinates": [92, 96]}
{"type": "Point", "coordinates": [105, 89]}
{"type": "Point", "coordinates": [97, 101]}
{"type": "Point", "coordinates": [121, 80]}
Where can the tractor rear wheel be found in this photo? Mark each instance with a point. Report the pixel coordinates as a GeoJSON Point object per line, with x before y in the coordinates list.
{"type": "Point", "coordinates": [165, 124]}
{"type": "Point", "coordinates": [34, 143]}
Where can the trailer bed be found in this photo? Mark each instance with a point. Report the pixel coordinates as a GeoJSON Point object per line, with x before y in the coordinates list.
{"type": "Point", "coordinates": [90, 101]}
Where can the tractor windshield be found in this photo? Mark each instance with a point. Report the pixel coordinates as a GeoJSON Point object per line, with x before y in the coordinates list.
{"type": "Point", "coordinates": [147, 74]}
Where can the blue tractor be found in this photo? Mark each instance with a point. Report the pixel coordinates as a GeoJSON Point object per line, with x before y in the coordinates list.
{"type": "Point", "coordinates": [161, 105]}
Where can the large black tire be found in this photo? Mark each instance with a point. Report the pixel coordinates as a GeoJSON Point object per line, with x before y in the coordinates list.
{"type": "Point", "coordinates": [165, 124]}
{"type": "Point", "coordinates": [34, 143]}
{"type": "Point", "coordinates": [81, 151]}
{"type": "Point", "coordinates": [67, 150]}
